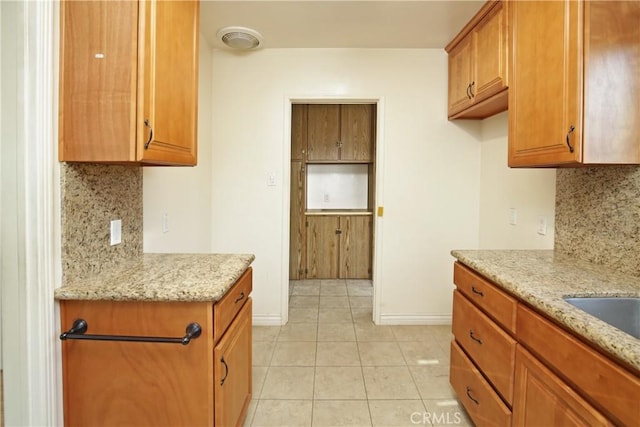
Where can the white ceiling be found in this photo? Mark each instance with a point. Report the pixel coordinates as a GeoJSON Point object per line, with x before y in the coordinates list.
{"type": "Point", "coordinates": [341, 24]}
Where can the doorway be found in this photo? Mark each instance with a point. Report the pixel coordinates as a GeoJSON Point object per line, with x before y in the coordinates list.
{"type": "Point", "coordinates": [332, 204]}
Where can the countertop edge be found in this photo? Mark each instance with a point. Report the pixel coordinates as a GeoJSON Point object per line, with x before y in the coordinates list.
{"type": "Point", "coordinates": [163, 278]}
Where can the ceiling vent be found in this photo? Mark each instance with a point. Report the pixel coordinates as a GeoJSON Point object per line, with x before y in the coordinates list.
{"type": "Point", "coordinates": [240, 38]}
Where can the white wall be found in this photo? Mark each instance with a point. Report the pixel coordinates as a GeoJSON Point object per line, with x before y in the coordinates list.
{"type": "Point", "coordinates": [183, 193]}
{"type": "Point", "coordinates": [444, 185]}
{"type": "Point", "coordinates": [428, 177]}
{"type": "Point", "coordinates": [530, 191]}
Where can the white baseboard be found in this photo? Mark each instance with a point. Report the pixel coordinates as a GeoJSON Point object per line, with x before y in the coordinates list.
{"type": "Point", "coordinates": [267, 320]}
{"type": "Point", "coordinates": [415, 319]}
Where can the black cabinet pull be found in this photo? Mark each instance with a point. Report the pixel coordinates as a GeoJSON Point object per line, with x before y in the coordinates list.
{"type": "Point", "coordinates": [240, 298]}
{"type": "Point", "coordinates": [477, 292]}
{"type": "Point", "coordinates": [571, 129]}
{"type": "Point", "coordinates": [471, 89]}
{"type": "Point", "coordinates": [80, 326]}
{"type": "Point", "coordinates": [471, 397]}
{"type": "Point", "coordinates": [226, 371]}
{"type": "Point", "coordinates": [468, 89]}
{"type": "Point", "coordinates": [478, 340]}
{"type": "Point", "coordinates": [146, 123]}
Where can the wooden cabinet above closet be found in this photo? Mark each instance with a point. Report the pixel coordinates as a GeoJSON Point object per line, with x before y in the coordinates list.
{"type": "Point", "coordinates": [334, 133]}
{"type": "Point", "coordinates": [478, 65]}
{"type": "Point", "coordinates": [129, 82]}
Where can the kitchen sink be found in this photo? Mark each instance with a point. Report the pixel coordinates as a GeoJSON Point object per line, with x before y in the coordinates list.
{"type": "Point", "coordinates": [623, 313]}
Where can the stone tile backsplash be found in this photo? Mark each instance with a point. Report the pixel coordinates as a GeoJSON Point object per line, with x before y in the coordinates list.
{"type": "Point", "coordinates": [93, 195]}
{"type": "Point", "coordinates": [598, 216]}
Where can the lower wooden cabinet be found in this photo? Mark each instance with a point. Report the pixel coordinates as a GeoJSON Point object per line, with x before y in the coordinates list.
{"type": "Point", "coordinates": [232, 370]}
{"type": "Point", "coordinates": [529, 371]}
{"type": "Point", "coordinates": [338, 247]}
{"type": "Point", "coordinates": [475, 393]}
{"type": "Point", "coordinates": [123, 383]}
{"type": "Point", "coordinates": [543, 399]}
{"type": "Point", "coordinates": [491, 348]}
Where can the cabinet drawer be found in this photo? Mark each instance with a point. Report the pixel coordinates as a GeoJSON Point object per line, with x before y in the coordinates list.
{"type": "Point", "coordinates": [500, 306]}
{"type": "Point", "coordinates": [492, 349]}
{"type": "Point", "coordinates": [481, 402]}
{"type": "Point", "coordinates": [606, 385]}
{"type": "Point", "coordinates": [226, 309]}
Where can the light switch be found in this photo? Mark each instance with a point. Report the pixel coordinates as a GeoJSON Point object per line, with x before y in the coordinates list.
{"type": "Point", "coordinates": [116, 232]}
{"type": "Point", "coordinates": [513, 216]}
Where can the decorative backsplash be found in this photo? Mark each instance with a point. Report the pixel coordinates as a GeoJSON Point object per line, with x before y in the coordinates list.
{"type": "Point", "coordinates": [598, 216]}
{"type": "Point", "coordinates": [92, 196]}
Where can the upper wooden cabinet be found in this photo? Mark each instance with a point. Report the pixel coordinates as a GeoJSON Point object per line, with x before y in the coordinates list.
{"type": "Point", "coordinates": [340, 133]}
{"type": "Point", "coordinates": [478, 65]}
{"type": "Point", "coordinates": [129, 82]}
{"type": "Point", "coordinates": [575, 91]}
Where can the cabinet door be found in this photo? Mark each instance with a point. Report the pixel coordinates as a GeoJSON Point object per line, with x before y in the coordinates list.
{"type": "Point", "coordinates": [356, 132]}
{"type": "Point", "coordinates": [460, 68]}
{"type": "Point", "coordinates": [322, 247]}
{"type": "Point", "coordinates": [298, 229]}
{"type": "Point", "coordinates": [232, 360]}
{"type": "Point", "coordinates": [490, 46]}
{"type": "Point", "coordinates": [168, 99]}
{"type": "Point", "coordinates": [355, 247]}
{"type": "Point", "coordinates": [543, 399]}
{"type": "Point", "coordinates": [298, 132]}
{"type": "Point", "coordinates": [98, 74]}
{"type": "Point", "coordinates": [545, 97]}
{"type": "Point", "coordinates": [112, 383]}
{"type": "Point", "coordinates": [323, 132]}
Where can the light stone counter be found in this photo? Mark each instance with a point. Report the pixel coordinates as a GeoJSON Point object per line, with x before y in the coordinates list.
{"type": "Point", "coordinates": [543, 277]}
{"type": "Point", "coordinates": [163, 277]}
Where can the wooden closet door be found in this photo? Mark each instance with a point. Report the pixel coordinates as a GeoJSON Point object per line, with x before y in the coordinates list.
{"type": "Point", "coordinates": [356, 132]}
{"type": "Point", "coordinates": [298, 132]}
{"type": "Point", "coordinates": [297, 230]}
{"type": "Point", "coordinates": [322, 247]}
{"type": "Point", "coordinates": [355, 247]}
{"type": "Point", "coordinates": [323, 132]}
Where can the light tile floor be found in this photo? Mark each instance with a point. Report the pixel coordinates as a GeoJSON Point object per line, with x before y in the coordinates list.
{"type": "Point", "coordinates": [331, 366]}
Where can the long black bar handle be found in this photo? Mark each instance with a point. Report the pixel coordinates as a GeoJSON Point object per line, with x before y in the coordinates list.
{"type": "Point", "coordinates": [80, 326]}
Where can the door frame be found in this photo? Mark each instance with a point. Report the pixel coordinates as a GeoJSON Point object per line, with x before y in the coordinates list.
{"type": "Point", "coordinates": [378, 222]}
{"type": "Point", "coordinates": [30, 223]}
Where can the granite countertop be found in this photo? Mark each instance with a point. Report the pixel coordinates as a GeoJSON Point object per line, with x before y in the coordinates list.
{"type": "Point", "coordinates": [163, 277]}
{"type": "Point", "coordinates": [543, 277]}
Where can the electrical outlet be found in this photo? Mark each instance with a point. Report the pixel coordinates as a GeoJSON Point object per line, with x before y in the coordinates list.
{"type": "Point", "coordinates": [165, 222]}
{"type": "Point", "coordinates": [513, 216]}
{"type": "Point", "coordinates": [326, 197]}
{"type": "Point", "coordinates": [116, 232]}
{"type": "Point", "coordinates": [271, 179]}
{"type": "Point", "coordinates": [542, 225]}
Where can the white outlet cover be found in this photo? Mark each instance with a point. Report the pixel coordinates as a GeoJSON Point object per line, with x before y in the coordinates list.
{"type": "Point", "coordinates": [116, 232]}
{"type": "Point", "coordinates": [542, 225]}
